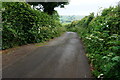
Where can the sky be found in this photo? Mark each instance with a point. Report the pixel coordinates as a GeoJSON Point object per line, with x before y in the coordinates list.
{"type": "Point", "coordinates": [85, 7]}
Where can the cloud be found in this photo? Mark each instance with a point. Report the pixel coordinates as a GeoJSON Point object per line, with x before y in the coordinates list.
{"type": "Point", "coordinates": [84, 7]}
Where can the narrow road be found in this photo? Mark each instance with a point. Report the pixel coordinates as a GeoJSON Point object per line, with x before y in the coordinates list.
{"type": "Point", "coordinates": [63, 57]}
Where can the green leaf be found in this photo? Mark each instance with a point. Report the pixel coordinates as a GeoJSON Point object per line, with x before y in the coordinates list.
{"type": "Point", "coordinates": [116, 58]}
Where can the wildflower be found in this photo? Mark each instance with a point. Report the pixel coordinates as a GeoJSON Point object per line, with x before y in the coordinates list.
{"type": "Point", "coordinates": [96, 37]}
{"type": "Point", "coordinates": [100, 76]}
{"type": "Point", "coordinates": [91, 35]}
{"type": "Point", "coordinates": [39, 29]}
{"type": "Point", "coordinates": [101, 39]}
{"type": "Point", "coordinates": [3, 9]}
{"type": "Point", "coordinates": [49, 26]}
{"type": "Point", "coordinates": [106, 25]}
{"type": "Point", "coordinates": [88, 38]}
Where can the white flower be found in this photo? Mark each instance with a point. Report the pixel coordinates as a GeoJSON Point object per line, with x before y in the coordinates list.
{"type": "Point", "coordinates": [88, 38]}
{"type": "Point", "coordinates": [91, 35]}
{"type": "Point", "coordinates": [49, 26]}
{"type": "Point", "coordinates": [100, 76]}
{"type": "Point", "coordinates": [101, 39]}
{"type": "Point", "coordinates": [107, 25]}
{"type": "Point", "coordinates": [39, 29]}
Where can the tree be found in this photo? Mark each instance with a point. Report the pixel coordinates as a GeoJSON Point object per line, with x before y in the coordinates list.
{"type": "Point", "coordinates": [48, 7]}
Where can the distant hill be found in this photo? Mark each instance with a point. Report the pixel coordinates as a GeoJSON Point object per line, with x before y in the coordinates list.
{"type": "Point", "coordinates": [69, 18]}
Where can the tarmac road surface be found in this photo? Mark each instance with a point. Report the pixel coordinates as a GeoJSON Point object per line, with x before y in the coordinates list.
{"type": "Point", "coordinates": [63, 57]}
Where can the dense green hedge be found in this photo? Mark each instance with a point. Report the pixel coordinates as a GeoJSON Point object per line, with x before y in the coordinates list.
{"type": "Point", "coordinates": [0, 25]}
{"type": "Point", "coordinates": [23, 25]}
{"type": "Point", "coordinates": [101, 36]}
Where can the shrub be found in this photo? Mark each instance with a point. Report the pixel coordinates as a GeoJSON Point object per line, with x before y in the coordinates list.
{"type": "Point", "coordinates": [101, 38]}
{"type": "Point", "coordinates": [23, 25]}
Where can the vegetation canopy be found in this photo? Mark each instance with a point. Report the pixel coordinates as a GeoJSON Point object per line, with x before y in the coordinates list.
{"type": "Point", "coordinates": [23, 25]}
{"type": "Point", "coordinates": [101, 37]}
{"type": "Point", "coordinates": [48, 7]}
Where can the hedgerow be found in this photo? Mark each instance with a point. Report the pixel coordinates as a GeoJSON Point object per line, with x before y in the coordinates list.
{"type": "Point", "coordinates": [101, 37]}
{"type": "Point", "coordinates": [23, 25]}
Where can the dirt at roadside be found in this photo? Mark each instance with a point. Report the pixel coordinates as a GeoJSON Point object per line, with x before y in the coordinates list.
{"type": "Point", "coordinates": [13, 54]}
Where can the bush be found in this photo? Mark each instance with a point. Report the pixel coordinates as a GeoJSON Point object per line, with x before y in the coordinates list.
{"type": "Point", "coordinates": [23, 25]}
{"type": "Point", "coordinates": [101, 37]}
